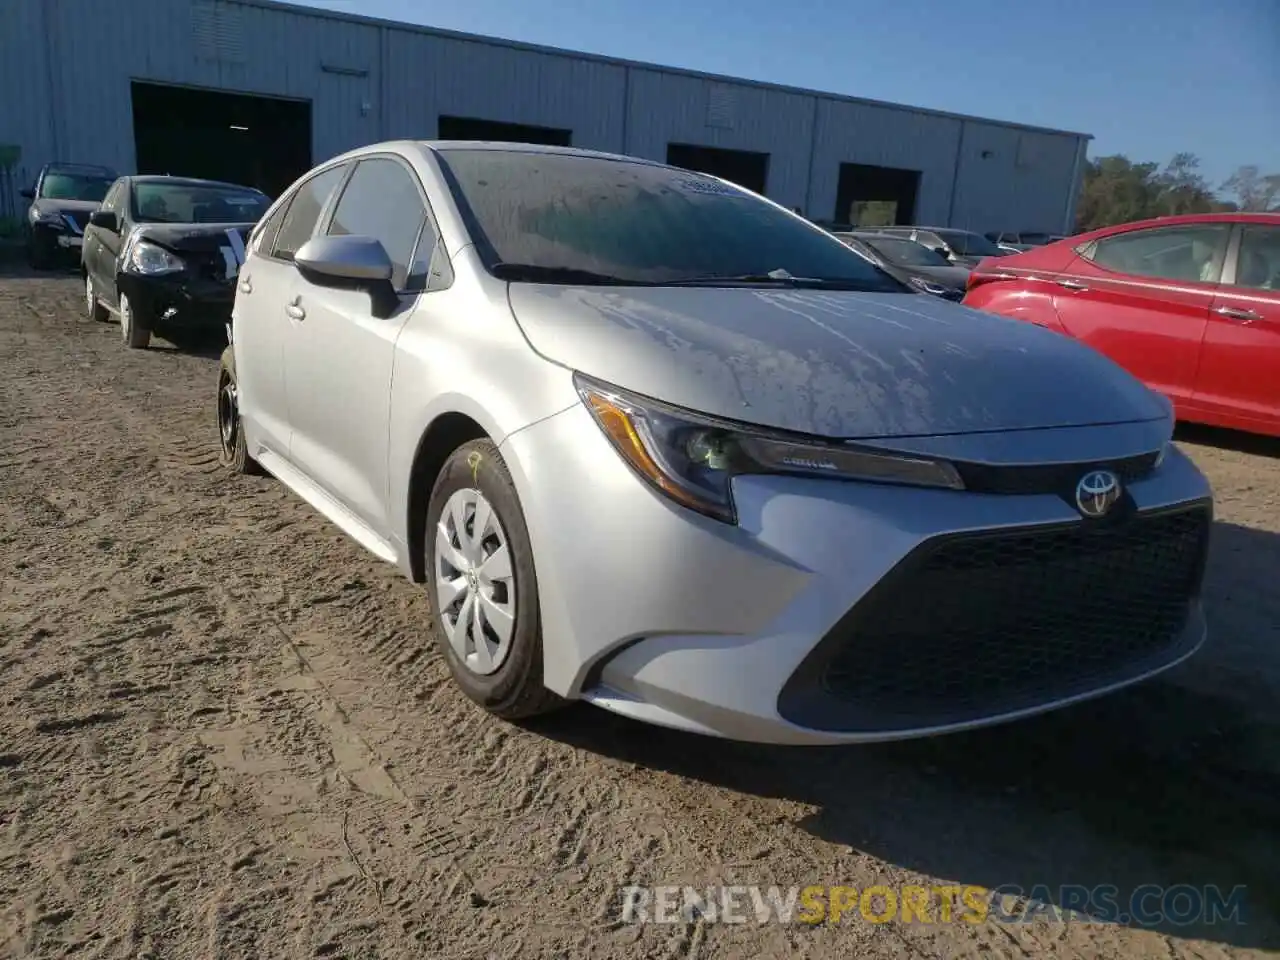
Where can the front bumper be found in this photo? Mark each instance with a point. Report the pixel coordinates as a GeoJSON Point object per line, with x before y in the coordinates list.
{"type": "Point", "coordinates": [57, 236]}
{"type": "Point", "coordinates": [841, 612]}
{"type": "Point", "coordinates": [183, 300]}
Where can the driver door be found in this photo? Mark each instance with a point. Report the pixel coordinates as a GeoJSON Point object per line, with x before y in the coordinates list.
{"type": "Point", "coordinates": [339, 361]}
{"type": "Point", "coordinates": [101, 248]}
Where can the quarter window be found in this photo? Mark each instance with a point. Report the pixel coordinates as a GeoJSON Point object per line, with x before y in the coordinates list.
{"type": "Point", "coordinates": [1190, 254]}
{"type": "Point", "coordinates": [1258, 265]}
{"type": "Point", "coordinates": [111, 202]}
{"type": "Point", "coordinates": [381, 200]}
{"type": "Point", "coordinates": [304, 210]}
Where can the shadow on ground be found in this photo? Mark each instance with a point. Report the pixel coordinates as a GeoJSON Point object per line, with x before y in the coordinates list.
{"type": "Point", "coordinates": [1222, 439]}
{"type": "Point", "coordinates": [1176, 781]}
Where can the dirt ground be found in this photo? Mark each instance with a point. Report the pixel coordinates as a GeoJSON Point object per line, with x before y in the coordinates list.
{"type": "Point", "coordinates": [221, 735]}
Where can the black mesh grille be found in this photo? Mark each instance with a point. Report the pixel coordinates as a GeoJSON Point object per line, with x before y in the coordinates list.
{"type": "Point", "coordinates": [983, 624]}
{"type": "Point", "coordinates": [1052, 478]}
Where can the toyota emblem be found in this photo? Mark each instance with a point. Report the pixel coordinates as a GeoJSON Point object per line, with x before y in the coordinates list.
{"type": "Point", "coordinates": [1097, 492]}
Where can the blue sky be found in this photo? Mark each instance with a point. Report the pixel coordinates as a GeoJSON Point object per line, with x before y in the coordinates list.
{"type": "Point", "coordinates": [1146, 77]}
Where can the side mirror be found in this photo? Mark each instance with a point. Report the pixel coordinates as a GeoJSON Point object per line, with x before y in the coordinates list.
{"type": "Point", "coordinates": [106, 220]}
{"type": "Point", "coordinates": [27, 193]}
{"type": "Point", "coordinates": [351, 262]}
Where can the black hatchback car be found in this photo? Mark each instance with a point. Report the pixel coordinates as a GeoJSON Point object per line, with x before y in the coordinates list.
{"type": "Point", "coordinates": [163, 254]}
{"type": "Point", "coordinates": [61, 200]}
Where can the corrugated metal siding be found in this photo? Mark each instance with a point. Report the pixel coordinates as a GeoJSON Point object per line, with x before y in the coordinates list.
{"type": "Point", "coordinates": [671, 108]}
{"type": "Point", "coordinates": [1012, 179]}
{"type": "Point", "coordinates": [26, 104]}
{"type": "Point", "coordinates": [429, 76]}
{"type": "Point", "coordinates": [370, 81]}
{"type": "Point", "coordinates": [860, 133]}
{"type": "Point", "coordinates": [102, 49]}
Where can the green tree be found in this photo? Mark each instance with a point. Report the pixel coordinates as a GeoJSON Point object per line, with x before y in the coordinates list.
{"type": "Point", "coordinates": [1253, 191]}
{"type": "Point", "coordinates": [1117, 190]}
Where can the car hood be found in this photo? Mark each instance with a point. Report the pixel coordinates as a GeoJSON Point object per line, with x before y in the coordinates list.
{"type": "Point", "coordinates": [834, 364]}
{"type": "Point", "coordinates": [954, 277]}
{"type": "Point", "coordinates": [193, 237]}
{"type": "Point", "coordinates": [78, 209]}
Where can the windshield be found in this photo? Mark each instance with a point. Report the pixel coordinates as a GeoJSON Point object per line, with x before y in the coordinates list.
{"type": "Point", "coordinates": [636, 222]}
{"type": "Point", "coordinates": [197, 203]}
{"type": "Point", "coordinates": [905, 251]}
{"type": "Point", "coordinates": [969, 244]}
{"type": "Point", "coordinates": [75, 186]}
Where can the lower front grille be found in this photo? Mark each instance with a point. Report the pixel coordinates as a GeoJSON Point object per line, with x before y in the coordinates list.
{"type": "Point", "coordinates": [984, 624]}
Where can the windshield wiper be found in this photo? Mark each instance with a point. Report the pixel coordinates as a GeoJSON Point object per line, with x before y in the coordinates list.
{"type": "Point", "coordinates": [537, 273]}
{"type": "Point", "coordinates": [774, 278]}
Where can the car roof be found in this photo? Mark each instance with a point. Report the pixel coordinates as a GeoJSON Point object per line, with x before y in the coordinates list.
{"type": "Point", "coordinates": [59, 167]}
{"type": "Point", "coordinates": [498, 146]}
{"type": "Point", "coordinates": [189, 182]}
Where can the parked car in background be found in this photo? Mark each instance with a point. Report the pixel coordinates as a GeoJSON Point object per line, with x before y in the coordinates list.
{"type": "Point", "coordinates": [62, 198]}
{"type": "Point", "coordinates": [1023, 238]}
{"type": "Point", "coordinates": [962, 248]}
{"type": "Point", "coordinates": [653, 442]}
{"type": "Point", "coordinates": [1190, 305]}
{"type": "Point", "coordinates": [162, 254]}
{"type": "Point", "coordinates": [913, 263]}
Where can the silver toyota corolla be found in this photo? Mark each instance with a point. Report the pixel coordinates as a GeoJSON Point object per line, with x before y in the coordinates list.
{"type": "Point", "coordinates": [654, 442]}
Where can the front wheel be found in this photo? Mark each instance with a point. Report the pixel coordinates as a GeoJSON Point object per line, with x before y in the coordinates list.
{"type": "Point", "coordinates": [233, 449]}
{"type": "Point", "coordinates": [93, 306]}
{"type": "Point", "coordinates": [135, 325]}
{"type": "Point", "coordinates": [481, 580]}
{"type": "Point", "coordinates": [39, 252]}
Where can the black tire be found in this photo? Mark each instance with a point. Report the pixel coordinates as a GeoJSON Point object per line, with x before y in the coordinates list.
{"type": "Point", "coordinates": [515, 690]}
{"type": "Point", "coordinates": [93, 307]}
{"type": "Point", "coordinates": [39, 252]}
{"type": "Point", "coordinates": [233, 452]}
{"type": "Point", "coordinates": [135, 325]}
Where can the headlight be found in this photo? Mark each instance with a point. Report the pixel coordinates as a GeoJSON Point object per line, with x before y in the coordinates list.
{"type": "Point", "coordinates": [149, 259]}
{"type": "Point", "coordinates": [46, 218]}
{"type": "Point", "coordinates": [924, 286]}
{"type": "Point", "coordinates": [693, 459]}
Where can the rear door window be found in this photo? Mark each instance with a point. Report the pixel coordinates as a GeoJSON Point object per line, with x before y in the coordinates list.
{"type": "Point", "coordinates": [299, 223]}
{"type": "Point", "coordinates": [1190, 254]}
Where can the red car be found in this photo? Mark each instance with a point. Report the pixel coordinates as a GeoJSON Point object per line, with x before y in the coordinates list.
{"type": "Point", "coordinates": [1190, 305]}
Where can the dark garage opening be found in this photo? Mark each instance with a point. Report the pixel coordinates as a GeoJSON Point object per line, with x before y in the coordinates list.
{"type": "Point", "coordinates": [746, 169]}
{"type": "Point", "coordinates": [262, 142]}
{"type": "Point", "coordinates": [870, 196]}
{"type": "Point", "coordinates": [470, 128]}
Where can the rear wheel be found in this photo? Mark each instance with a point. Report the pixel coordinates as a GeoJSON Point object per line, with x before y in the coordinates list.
{"type": "Point", "coordinates": [93, 307]}
{"type": "Point", "coordinates": [233, 450]}
{"type": "Point", "coordinates": [135, 325]}
{"type": "Point", "coordinates": [484, 592]}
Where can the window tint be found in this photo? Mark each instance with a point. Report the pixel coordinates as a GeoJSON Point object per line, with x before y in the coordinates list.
{"type": "Point", "coordinates": [381, 200]}
{"type": "Point", "coordinates": [265, 235]}
{"type": "Point", "coordinates": [111, 202]}
{"type": "Point", "coordinates": [304, 210]}
{"type": "Point", "coordinates": [1258, 265]}
{"type": "Point", "coordinates": [636, 222]}
{"type": "Point", "coordinates": [969, 244]}
{"type": "Point", "coordinates": [75, 186]}
{"type": "Point", "coordinates": [1190, 254]}
{"type": "Point", "coordinates": [169, 201]}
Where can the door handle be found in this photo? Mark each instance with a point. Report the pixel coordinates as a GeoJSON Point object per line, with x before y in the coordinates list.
{"type": "Point", "coordinates": [1232, 313]}
{"type": "Point", "coordinates": [1071, 285]}
{"type": "Point", "coordinates": [294, 309]}
{"type": "Point", "coordinates": [246, 285]}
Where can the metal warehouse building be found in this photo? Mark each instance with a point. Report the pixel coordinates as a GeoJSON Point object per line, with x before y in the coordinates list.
{"type": "Point", "coordinates": [257, 91]}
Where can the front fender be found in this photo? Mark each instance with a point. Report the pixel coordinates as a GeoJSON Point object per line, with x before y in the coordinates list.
{"type": "Point", "coordinates": [457, 355]}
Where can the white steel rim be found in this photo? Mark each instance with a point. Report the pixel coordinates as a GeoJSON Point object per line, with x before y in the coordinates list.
{"type": "Point", "coordinates": [475, 582]}
{"type": "Point", "coordinates": [126, 318]}
{"type": "Point", "coordinates": [90, 300]}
